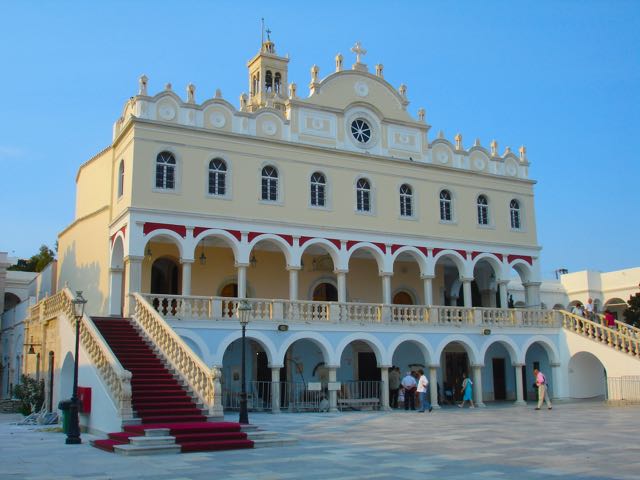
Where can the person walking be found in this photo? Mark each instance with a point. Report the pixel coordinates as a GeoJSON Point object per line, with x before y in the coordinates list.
{"type": "Point", "coordinates": [394, 386]}
{"type": "Point", "coordinates": [541, 383]}
{"type": "Point", "coordinates": [467, 391]}
{"type": "Point", "coordinates": [409, 384]}
{"type": "Point", "coordinates": [423, 387]}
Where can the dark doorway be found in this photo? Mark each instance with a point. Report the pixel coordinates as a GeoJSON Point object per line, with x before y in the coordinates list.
{"type": "Point", "coordinates": [230, 290]}
{"type": "Point", "coordinates": [456, 363]}
{"type": "Point", "coordinates": [476, 297]}
{"type": "Point", "coordinates": [263, 374]}
{"type": "Point", "coordinates": [368, 367]}
{"type": "Point", "coordinates": [524, 383]}
{"type": "Point", "coordinates": [402, 298]}
{"type": "Point", "coordinates": [325, 292]}
{"type": "Point", "coordinates": [499, 381]}
{"type": "Point", "coordinates": [164, 277]}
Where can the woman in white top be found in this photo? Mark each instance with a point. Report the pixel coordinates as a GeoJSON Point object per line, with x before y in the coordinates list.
{"type": "Point", "coordinates": [423, 385]}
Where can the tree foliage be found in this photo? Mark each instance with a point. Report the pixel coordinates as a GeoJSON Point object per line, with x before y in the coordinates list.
{"type": "Point", "coordinates": [31, 393]}
{"type": "Point", "coordinates": [37, 262]}
{"type": "Point", "coordinates": [632, 312]}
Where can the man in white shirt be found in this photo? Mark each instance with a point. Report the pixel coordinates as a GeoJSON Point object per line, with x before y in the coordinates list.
{"type": "Point", "coordinates": [423, 385]}
{"type": "Point", "coordinates": [577, 310]}
{"type": "Point", "coordinates": [409, 384]}
{"type": "Point", "coordinates": [589, 309]}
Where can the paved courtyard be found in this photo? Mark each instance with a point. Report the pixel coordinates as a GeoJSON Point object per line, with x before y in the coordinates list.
{"type": "Point", "coordinates": [575, 441]}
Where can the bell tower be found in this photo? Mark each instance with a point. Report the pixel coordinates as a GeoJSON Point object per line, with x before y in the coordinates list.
{"type": "Point", "coordinates": [267, 77]}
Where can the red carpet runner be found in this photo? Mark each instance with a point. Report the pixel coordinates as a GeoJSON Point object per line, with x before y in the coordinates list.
{"type": "Point", "coordinates": [159, 400]}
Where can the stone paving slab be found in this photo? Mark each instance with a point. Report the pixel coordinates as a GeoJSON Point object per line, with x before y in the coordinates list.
{"type": "Point", "coordinates": [586, 440]}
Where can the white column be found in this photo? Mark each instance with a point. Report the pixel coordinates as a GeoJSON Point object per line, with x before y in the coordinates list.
{"type": "Point", "coordinates": [293, 282]}
{"type": "Point", "coordinates": [134, 280]}
{"type": "Point", "coordinates": [333, 394]}
{"type": "Point", "coordinates": [342, 285]}
{"type": "Point", "coordinates": [384, 377]}
{"type": "Point", "coordinates": [466, 289]}
{"type": "Point", "coordinates": [275, 389]}
{"type": "Point", "coordinates": [504, 300]}
{"type": "Point", "coordinates": [115, 291]}
{"type": "Point", "coordinates": [477, 385]}
{"type": "Point", "coordinates": [559, 387]}
{"type": "Point", "coordinates": [433, 385]}
{"type": "Point", "coordinates": [242, 280]}
{"type": "Point", "coordinates": [186, 276]}
{"type": "Point", "coordinates": [519, 393]}
{"type": "Point", "coordinates": [386, 288]}
{"type": "Point", "coordinates": [427, 283]}
{"type": "Point", "coordinates": [532, 294]}
{"type": "Point", "coordinates": [454, 301]}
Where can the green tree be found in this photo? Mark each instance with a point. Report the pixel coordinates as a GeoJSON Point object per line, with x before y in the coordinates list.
{"type": "Point", "coordinates": [632, 312]}
{"type": "Point", "coordinates": [37, 262]}
{"type": "Point", "coordinates": [31, 393]}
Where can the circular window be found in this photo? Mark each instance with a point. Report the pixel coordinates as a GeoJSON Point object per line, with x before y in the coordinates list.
{"type": "Point", "coordinates": [361, 130]}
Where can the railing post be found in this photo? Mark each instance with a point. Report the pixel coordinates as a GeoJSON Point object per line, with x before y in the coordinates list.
{"type": "Point", "coordinates": [386, 313]}
{"type": "Point", "coordinates": [278, 311]}
{"type": "Point", "coordinates": [216, 309]}
{"type": "Point", "coordinates": [334, 312]}
{"type": "Point", "coordinates": [434, 315]}
{"type": "Point", "coordinates": [477, 316]}
{"type": "Point", "coordinates": [215, 408]}
{"type": "Point", "coordinates": [275, 389]}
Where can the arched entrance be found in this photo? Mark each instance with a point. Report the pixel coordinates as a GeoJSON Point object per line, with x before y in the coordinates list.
{"type": "Point", "coordinates": [587, 376]}
{"type": "Point", "coordinates": [499, 375]}
{"type": "Point", "coordinates": [165, 277]}
{"type": "Point", "coordinates": [402, 298]}
{"type": "Point", "coordinates": [257, 372]}
{"type": "Point", "coordinates": [617, 306]}
{"type": "Point", "coordinates": [10, 301]}
{"type": "Point", "coordinates": [304, 377]}
{"type": "Point", "coordinates": [325, 292]}
{"type": "Point", "coordinates": [536, 358]}
{"type": "Point", "coordinates": [360, 377]}
{"type": "Point", "coordinates": [455, 362]}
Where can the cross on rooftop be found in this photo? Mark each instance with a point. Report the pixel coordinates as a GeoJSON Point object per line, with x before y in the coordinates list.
{"type": "Point", "coordinates": [358, 50]}
{"type": "Point", "coordinates": [268, 34]}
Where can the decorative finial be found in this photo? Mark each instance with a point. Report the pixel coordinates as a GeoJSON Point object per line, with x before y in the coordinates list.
{"type": "Point", "coordinates": [421, 114]}
{"type": "Point", "coordinates": [243, 102]}
{"type": "Point", "coordinates": [379, 69]}
{"type": "Point", "coordinates": [314, 73]}
{"type": "Point", "coordinates": [218, 93]}
{"type": "Point", "coordinates": [142, 82]}
{"type": "Point", "coordinates": [476, 143]}
{"type": "Point", "coordinates": [507, 151]}
{"type": "Point", "coordinates": [523, 153]}
{"type": "Point", "coordinates": [403, 90]}
{"type": "Point", "coordinates": [440, 134]}
{"type": "Point", "coordinates": [494, 148]}
{"type": "Point", "coordinates": [292, 90]}
{"type": "Point", "coordinates": [167, 87]}
{"type": "Point", "coordinates": [358, 50]}
{"type": "Point", "coordinates": [339, 59]}
{"type": "Point", "coordinates": [458, 139]}
{"type": "Point", "coordinates": [191, 93]}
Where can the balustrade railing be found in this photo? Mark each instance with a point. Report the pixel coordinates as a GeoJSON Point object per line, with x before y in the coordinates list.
{"type": "Point", "coordinates": [594, 330]}
{"type": "Point", "coordinates": [303, 311]}
{"type": "Point", "coordinates": [116, 379]}
{"type": "Point", "coordinates": [203, 381]}
{"type": "Point", "coordinates": [626, 388]}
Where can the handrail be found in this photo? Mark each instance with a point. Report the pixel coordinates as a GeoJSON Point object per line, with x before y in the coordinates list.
{"type": "Point", "coordinates": [621, 326]}
{"type": "Point", "coordinates": [113, 374]}
{"type": "Point", "coordinates": [622, 341]}
{"type": "Point", "coordinates": [204, 381]}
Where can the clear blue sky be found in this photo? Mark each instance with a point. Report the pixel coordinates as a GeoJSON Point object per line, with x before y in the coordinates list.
{"type": "Point", "coordinates": [561, 77]}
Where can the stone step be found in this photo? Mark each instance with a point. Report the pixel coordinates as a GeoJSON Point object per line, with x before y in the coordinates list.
{"type": "Point", "coordinates": [130, 449]}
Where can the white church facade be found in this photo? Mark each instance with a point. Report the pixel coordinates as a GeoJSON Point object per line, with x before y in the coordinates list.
{"type": "Point", "coordinates": [360, 240]}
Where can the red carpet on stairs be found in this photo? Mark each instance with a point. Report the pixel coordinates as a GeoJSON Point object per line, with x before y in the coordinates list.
{"type": "Point", "coordinates": [159, 400]}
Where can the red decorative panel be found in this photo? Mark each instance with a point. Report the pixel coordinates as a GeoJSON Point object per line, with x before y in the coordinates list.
{"type": "Point", "coordinates": [198, 230]}
{"type": "Point", "coordinates": [474, 255]}
{"type": "Point", "coordinates": [236, 233]}
{"type": "Point", "coordinates": [351, 243]}
{"type": "Point", "coordinates": [303, 240]}
{"type": "Point", "coordinates": [424, 250]}
{"type": "Point", "coordinates": [335, 242]}
{"type": "Point", "coordinates": [499, 255]}
{"type": "Point", "coordinates": [436, 251]}
{"type": "Point", "coordinates": [461, 252]}
{"type": "Point", "coordinates": [150, 227]}
{"type": "Point", "coordinates": [395, 247]}
{"type": "Point", "coordinates": [526, 258]}
{"type": "Point", "coordinates": [122, 229]}
{"type": "Point", "coordinates": [253, 235]}
{"type": "Point", "coordinates": [381, 246]}
{"type": "Point", "coordinates": [287, 238]}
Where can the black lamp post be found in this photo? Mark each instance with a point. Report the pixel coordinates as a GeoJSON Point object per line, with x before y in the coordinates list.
{"type": "Point", "coordinates": [244, 307]}
{"type": "Point", "coordinates": [73, 431]}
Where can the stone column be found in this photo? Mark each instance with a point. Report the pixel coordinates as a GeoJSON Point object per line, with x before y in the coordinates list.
{"type": "Point", "coordinates": [477, 385]}
{"type": "Point", "coordinates": [134, 281]}
{"type": "Point", "coordinates": [386, 288]}
{"type": "Point", "coordinates": [427, 283]}
{"type": "Point", "coordinates": [333, 394]}
{"type": "Point", "coordinates": [532, 294]}
{"type": "Point", "coordinates": [342, 285]}
{"type": "Point", "coordinates": [115, 291]}
{"type": "Point", "coordinates": [242, 280]}
{"type": "Point", "coordinates": [504, 294]}
{"type": "Point", "coordinates": [384, 377]}
{"type": "Point", "coordinates": [466, 289]}
{"type": "Point", "coordinates": [275, 389]}
{"type": "Point", "coordinates": [520, 400]}
{"type": "Point", "coordinates": [186, 276]}
{"type": "Point", "coordinates": [293, 282]}
{"type": "Point", "coordinates": [557, 383]}
{"type": "Point", "coordinates": [433, 385]}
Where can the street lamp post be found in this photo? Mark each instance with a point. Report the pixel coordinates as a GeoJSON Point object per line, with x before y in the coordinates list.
{"type": "Point", "coordinates": [244, 307]}
{"type": "Point", "coordinates": [73, 431]}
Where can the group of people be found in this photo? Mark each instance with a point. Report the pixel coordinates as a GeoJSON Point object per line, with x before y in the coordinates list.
{"type": "Point", "coordinates": [415, 383]}
{"type": "Point", "coordinates": [589, 312]}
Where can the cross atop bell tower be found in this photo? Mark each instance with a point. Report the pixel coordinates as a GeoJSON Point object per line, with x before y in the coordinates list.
{"type": "Point", "coordinates": [359, 51]}
{"type": "Point", "coordinates": [267, 76]}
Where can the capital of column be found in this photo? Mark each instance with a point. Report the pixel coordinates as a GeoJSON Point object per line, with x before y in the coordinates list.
{"type": "Point", "coordinates": [477, 365]}
{"type": "Point", "coordinates": [338, 270]}
{"type": "Point", "coordinates": [517, 365]}
{"type": "Point", "coordinates": [116, 270]}
{"type": "Point", "coordinates": [434, 365]}
{"type": "Point", "coordinates": [503, 282]}
{"type": "Point", "coordinates": [294, 267]}
{"type": "Point", "coordinates": [427, 277]}
{"type": "Point", "coordinates": [238, 265]}
{"type": "Point", "coordinates": [276, 366]}
{"type": "Point", "coordinates": [385, 274]}
{"type": "Point", "coordinates": [386, 366]}
{"type": "Point", "coordinates": [554, 364]}
{"type": "Point", "coordinates": [186, 260]}
{"type": "Point", "coordinates": [133, 258]}
{"type": "Point", "coordinates": [467, 279]}
{"type": "Point", "coordinates": [531, 284]}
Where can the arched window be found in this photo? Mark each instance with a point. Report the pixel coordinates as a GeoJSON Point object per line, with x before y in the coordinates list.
{"type": "Point", "coordinates": [446, 206]}
{"type": "Point", "coordinates": [363, 195]}
{"type": "Point", "coordinates": [406, 201]}
{"type": "Point", "coordinates": [121, 178]}
{"type": "Point", "coordinates": [483, 210]}
{"type": "Point", "coordinates": [276, 82]}
{"type": "Point", "coordinates": [165, 171]}
{"type": "Point", "coordinates": [268, 80]}
{"type": "Point", "coordinates": [514, 213]}
{"type": "Point", "coordinates": [269, 184]}
{"type": "Point", "coordinates": [318, 189]}
{"type": "Point", "coordinates": [217, 177]}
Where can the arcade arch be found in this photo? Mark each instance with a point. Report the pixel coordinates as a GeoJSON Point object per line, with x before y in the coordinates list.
{"type": "Point", "coordinates": [587, 376]}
